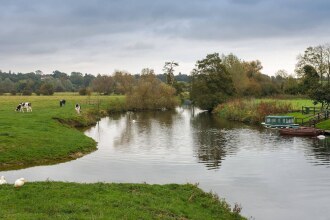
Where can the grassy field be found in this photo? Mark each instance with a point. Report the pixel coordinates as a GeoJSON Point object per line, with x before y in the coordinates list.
{"type": "Point", "coordinates": [37, 137]}
{"type": "Point", "coordinates": [57, 200]}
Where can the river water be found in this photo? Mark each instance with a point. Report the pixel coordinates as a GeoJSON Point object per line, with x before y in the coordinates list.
{"type": "Point", "coordinates": [272, 177]}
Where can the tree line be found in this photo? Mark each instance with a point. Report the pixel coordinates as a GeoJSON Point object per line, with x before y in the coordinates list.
{"type": "Point", "coordinates": [46, 84]}
{"type": "Point", "coordinates": [215, 79]}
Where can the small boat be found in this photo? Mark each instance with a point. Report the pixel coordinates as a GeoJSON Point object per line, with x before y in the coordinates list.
{"type": "Point", "coordinates": [301, 131]}
{"type": "Point", "coordinates": [273, 121]}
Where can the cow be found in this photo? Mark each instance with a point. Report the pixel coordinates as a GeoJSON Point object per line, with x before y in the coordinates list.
{"type": "Point", "coordinates": [24, 105]}
{"type": "Point", "coordinates": [77, 107]}
{"type": "Point", "coordinates": [62, 102]}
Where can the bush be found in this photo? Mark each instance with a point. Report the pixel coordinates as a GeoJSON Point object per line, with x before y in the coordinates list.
{"type": "Point", "coordinates": [47, 89]}
{"type": "Point", "coordinates": [85, 91]}
{"type": "Point", "coordinates": [27, 92]}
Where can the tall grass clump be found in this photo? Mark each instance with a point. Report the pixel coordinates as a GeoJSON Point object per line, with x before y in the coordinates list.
{"type": "Point", "coordinates": [251, 111]}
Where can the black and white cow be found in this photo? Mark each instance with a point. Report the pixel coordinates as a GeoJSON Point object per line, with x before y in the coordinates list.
{"type": "Point", "coordinates": [78, 108]}
{"type": "Point", "coordinates": [62, 102]}
{"type": "Point", "coordinates": [24, 105]}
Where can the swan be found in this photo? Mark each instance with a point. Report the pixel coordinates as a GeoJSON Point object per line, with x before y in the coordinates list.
{"type": "Point", "coordinates": [321, 137]}
{"type": "Point", "coordinates": [19, 182]}
{"type": "Point", "coordinates": [2, 180]}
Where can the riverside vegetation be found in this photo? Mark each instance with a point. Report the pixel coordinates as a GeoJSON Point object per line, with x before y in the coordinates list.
{"type": "Point", "coordinates": [253, 111]}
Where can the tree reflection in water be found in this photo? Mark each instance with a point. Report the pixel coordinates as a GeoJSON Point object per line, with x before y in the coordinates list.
{"type": "Point", "coordinates": [211, 139]}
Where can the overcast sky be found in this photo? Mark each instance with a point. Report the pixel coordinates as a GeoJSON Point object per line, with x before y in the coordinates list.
{"type": "Point", "coordinates": [100, 36]}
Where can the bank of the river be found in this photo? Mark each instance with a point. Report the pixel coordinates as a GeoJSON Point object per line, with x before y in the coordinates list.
{"type": "Point", "coordinates": [49, 200]}
{"type": "Point", "coordinates": [253, 111]}
{"type": "Point", "coordinates": [46, 135]}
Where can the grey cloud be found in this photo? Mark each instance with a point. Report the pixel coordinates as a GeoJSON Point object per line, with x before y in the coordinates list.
{"type": "Point", "coordinates": [140, 46]}
{"type": "Point", "coordinates": [47, 26]}
{"type": "Point", "coordinates": [233, 19]}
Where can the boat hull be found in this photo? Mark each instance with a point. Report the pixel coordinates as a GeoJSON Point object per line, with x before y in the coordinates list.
{"type": "Point", "coordinates": [301, 131]}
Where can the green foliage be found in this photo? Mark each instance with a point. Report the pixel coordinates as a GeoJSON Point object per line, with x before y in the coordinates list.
{"type": "Point", "coordinates": [310, 79]}
{"type": "Point", "coordinates": [211, 83]}
{"type": "Point", "coordinates": [47, 89]}
{"type": "Point", "coordinates": [321, 94]}
{"type": "Point", "coordinates": [150, 94]}
{"type": "Point", "coordinates": [58, 200]}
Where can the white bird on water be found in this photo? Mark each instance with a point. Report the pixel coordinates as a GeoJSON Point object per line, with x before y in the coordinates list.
{"type": "Point", "coordinates": [2, 180]}
{"type": "Point", "coordinates": [321, 137]}
{"type": "Point", "coordinates": [133, 121]}
{"type": "Point", "coordinates": [19, 182]}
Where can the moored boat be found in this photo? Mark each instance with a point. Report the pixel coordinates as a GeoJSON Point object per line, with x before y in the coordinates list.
{"type": "Point", "coordinates": [301, 131]}
{"type": "Point", "coordinates": [273, 121]}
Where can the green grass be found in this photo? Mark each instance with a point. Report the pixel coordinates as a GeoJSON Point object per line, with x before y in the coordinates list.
{"type": "Point", "coordinates": [58, 200]}
{"type": "Point", "coordinates": [295, 103]}
{"type": "Point", "coordinates": [37, 137]}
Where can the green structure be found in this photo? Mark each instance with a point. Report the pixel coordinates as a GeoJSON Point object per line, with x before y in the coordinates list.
{"type": "Point", "coordinates": [279, 122]}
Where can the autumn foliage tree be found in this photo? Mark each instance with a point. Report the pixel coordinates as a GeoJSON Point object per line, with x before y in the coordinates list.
{"type": "Point", "coordinates": [151, 94]}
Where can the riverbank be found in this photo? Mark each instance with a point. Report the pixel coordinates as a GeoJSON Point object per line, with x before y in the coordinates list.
{"type": "Point", "coordinates": [253, 111]}
{"type": "Point", "coordinates": [46, 135]}
{"type": "Point", "coordinates": [49, 200]}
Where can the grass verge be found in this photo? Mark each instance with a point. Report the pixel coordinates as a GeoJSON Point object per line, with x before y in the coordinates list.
{"type": "Point", "coordinates": [58, 200]}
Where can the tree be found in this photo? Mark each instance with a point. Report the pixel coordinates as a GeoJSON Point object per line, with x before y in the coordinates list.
{"type": "Point", "coordinates": [103, 84]}
{"type": "Point", "coordinates": [47, 89]}
{"type": "Point", "coordinates": [77, 80]}
{"type": "Point", "coordinates": [123, 82]}
{"type": "Point", "coordinates": [310, 79]}
{"type": "Point", "coordinates": [237, 69]}
{"type": "Point", "coordinates": [211, 83]}
{"type": "Point", "coordinates": [150, 93]}
{"type": "Point", "coordinates": [315, 57]}
{"type": "Point", "coordinates": [321, 95]}
{"type": "Point", "coordinates": [169, 71]}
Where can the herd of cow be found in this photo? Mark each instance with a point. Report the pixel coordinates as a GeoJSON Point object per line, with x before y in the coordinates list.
{"type": "Point", "coordinates": [28, 107]}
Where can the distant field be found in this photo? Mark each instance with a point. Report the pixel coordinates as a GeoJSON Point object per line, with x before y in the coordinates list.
{"type": "Point", "coordinates": [33, 138]}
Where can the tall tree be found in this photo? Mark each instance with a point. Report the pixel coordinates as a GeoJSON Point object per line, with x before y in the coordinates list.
{"type": "Point", "coordinates": [169, 71]}
{"type": "Point", "coordinates": [315, 57]}
{"type": "Point", "coordinates": [211, 83]}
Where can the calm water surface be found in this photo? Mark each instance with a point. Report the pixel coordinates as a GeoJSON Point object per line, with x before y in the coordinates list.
{"type": "Point", "coordinates": [272, 177]}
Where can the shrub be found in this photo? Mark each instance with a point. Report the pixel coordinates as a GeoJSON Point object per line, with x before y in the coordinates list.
{"type": "Point", "coordinates": [27, 92]}
{"type": "Point", "coordinates": [85, 91]}
{"type": "Point", "coordinates": [47, 89]}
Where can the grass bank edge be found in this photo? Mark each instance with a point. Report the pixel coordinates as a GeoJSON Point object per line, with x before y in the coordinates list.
{"type": "Point", "coordinates": [49, 200]}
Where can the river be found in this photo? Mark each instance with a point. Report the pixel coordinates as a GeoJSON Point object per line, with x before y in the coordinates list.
{"type": "Point", "coordinates": [272, 177]}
